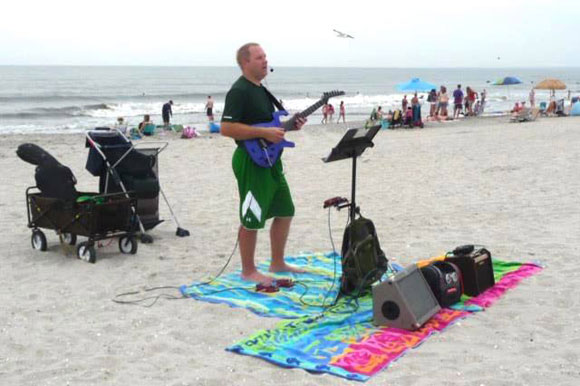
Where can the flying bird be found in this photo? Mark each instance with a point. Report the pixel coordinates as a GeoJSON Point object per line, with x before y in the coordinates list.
{"type": "Point", "coordinates": [343, 35]}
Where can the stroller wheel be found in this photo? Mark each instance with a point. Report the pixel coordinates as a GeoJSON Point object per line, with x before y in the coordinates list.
{"type": "Point", "coordinates": [69, 238]}
{"type": "Point", "coordinates": [128, 245]}
{"type": "Point", "coordinates": [38, 240]}
{"type": "Point", "coordinates": [86, 252]}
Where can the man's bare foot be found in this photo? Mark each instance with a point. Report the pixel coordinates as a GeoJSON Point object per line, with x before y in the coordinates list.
{"type": "Point", "coordinates": [285, 268]}
{"type": "Point", "coordinates": [258, 277]}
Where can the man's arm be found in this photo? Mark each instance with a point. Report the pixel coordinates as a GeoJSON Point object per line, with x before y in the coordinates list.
{"type": "Point", "coordinates": [241, 132]}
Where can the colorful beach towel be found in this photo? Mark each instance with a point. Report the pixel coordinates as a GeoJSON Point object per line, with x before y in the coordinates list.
{"type": "Point", "coordinates": [312, 292]}
{"type": "Point", "coordinates": [340, 340]}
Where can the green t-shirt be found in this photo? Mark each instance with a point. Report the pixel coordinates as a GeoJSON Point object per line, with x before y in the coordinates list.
{"type": "Point", "coordinates": [247, 103]}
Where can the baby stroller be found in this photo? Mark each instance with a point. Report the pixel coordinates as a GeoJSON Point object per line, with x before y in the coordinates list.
{"type": "Point", "coordinates": [55, 204]}
{"type": "Point", "coordinates": [122, 167]}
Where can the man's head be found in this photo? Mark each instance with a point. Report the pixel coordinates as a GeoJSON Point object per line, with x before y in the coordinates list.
{"type": "Point", "coordinates": [252, 60]}
{"type": "Point", "coordinates": [170, 102]}
{"type": "Point", "coordinates": [458, 86]}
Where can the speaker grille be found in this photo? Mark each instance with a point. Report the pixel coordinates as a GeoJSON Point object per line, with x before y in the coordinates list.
{"type": "Point", "coordinates": [390, 310]}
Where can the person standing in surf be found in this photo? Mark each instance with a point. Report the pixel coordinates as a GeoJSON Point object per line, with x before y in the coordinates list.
{"type": "Point", "coordinates": [167, 113]}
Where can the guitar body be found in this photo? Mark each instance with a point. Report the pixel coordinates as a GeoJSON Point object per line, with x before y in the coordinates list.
{"type": "Point", "coordinates": [265, 153]}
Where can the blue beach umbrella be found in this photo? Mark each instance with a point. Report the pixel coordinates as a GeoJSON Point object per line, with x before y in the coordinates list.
{"type": "Point", "coordinates": [507, 81]}
{"type": "Point", "coordinates": [416, 84]}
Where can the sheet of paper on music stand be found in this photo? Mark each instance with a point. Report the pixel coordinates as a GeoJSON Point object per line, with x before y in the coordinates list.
{"type": "Point", "coordinates": [353, 143]}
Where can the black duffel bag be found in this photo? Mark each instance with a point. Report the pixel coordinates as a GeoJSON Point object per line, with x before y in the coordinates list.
{"type": "Point", "coordinates": [445, 281]}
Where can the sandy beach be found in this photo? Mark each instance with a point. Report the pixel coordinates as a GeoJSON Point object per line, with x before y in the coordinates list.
{"type": "Point", "coordinates": [512, 187]}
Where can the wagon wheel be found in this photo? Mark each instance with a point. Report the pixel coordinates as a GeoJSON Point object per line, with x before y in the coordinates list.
{"type": "Point", "coordinates": [87, 252]}
{"type": "Point", "coordinates": [38, 240]}
{"type": "Point", "coordinates": [128, 245]}
{"type": "Point", "coordinates": [69, 238]}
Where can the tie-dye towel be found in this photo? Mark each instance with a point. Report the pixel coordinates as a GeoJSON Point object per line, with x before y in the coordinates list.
{"type": "Point", "coordinates": [339, 340]}
{"type": "Point", "coordinates": [312, 291]}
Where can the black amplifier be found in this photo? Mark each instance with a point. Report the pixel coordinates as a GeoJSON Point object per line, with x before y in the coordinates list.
{"type": "Point", "coordinates": [475, 266]}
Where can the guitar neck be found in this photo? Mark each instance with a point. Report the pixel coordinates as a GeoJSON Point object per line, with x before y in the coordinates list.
{"type": "Point", "coordinates": [289, 124]}
{"type": "Point", "coordinates": [311, 109]}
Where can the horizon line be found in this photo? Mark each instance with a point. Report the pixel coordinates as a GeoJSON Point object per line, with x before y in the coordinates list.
{"type": "Point", "coordinates": [282, 66]}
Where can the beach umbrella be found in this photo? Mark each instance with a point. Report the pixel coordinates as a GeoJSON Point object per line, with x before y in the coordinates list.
{"type": "Point", "coordinates": [551, 84]}
{"type": "Point", "coordinates": [507, 81]}
{"type": "Point", "coordinates": [416, 84]}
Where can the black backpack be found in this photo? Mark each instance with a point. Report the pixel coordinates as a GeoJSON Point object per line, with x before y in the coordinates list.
{"type": "Point", "coordinates": [363, 261]}
{"type": "Point", "coordinates": [53, 179]}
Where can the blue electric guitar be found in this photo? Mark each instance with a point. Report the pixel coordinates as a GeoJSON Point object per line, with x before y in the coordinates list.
{"type": "Point", "coordinates": [265, 153]}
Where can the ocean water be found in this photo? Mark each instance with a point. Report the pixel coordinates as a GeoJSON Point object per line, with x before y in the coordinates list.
{"type": "Point", "coordinates": [65, 99]}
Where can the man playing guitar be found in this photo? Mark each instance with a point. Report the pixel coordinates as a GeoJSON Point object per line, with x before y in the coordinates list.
{"type": "Point", "coordinates": [264, 192]}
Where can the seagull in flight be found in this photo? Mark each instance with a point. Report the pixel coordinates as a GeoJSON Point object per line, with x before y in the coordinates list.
{"type": "Point", "coordinates": [342, 35]}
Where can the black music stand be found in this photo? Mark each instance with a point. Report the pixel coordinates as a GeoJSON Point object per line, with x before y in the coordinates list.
{"type": "Point", "coordinates": [352, 145]}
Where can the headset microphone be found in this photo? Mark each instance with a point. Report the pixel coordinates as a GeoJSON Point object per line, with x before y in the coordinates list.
{"type": "Point", "coordinates": [271, 69]}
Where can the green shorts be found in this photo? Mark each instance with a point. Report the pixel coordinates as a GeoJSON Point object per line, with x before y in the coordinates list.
{"type": "Point", "coordinates": [264, 192]}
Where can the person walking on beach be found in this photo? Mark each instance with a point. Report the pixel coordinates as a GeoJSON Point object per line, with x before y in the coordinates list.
{"type": "Point", "coordinates": [471, 97]}
{"type": "Point", "coordinates": [457, 101]}
{"type": "Point", "coordinates": [341, 112]}
{"type": "Point", "coordinates": [167, 113]}
{"type": "Point", "coordinates": [209, 108]}
{"type": "Point", "coordinates": [404, 103]}
{"type": "Point", "coordinates": [263, 192]}
{"type": "Point", "coordinates": [330, 112]}
{"type": "Point", "coordinates": [324, 113]}
{"type": "Point", "coordinates": [532, 98]}
{"type": "Point", "coordinates": [483, 97]}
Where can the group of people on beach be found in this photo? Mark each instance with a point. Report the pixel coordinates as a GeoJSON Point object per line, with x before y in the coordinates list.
{"type": "Point", "coordinates": [146, 126]}
{"type": "Point", "coordinates": [553, 107]}
{"type": "Point", "coordinates": [328, 112]}
{"type": "Point", "coordinates": [468, 104]}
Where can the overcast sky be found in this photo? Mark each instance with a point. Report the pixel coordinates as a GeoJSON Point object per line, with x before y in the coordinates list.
{"type": "Point", "coordinates": [449, 33]}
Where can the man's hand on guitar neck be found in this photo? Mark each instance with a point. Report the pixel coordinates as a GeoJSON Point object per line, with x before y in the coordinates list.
{"type": "Point", "coordinates": [299, 123]}
{"type": "Point", "coordinates": [294, 123]}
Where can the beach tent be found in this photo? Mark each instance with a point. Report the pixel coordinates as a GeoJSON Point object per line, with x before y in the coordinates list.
{"type": "Point", "coordinates": [416, 84]}
{"type": "Point", "coordinates": [575, 110]}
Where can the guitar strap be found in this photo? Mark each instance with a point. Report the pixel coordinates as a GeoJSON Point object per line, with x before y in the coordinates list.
{"type": "Point", "coordinates": [273, 99]}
